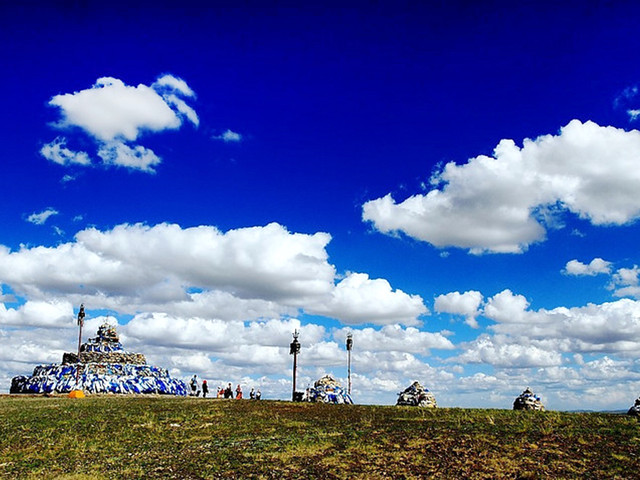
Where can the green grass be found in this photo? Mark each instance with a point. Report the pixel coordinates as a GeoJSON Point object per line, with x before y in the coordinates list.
{"type": "Point", "coordinates": [105, 437]}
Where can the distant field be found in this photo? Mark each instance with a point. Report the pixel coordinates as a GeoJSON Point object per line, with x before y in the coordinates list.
{"type": "Point", "coordinates": [156, 437]}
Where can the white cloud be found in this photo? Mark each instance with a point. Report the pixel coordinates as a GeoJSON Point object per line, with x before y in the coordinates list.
{"type": "Point", "coordinates": [633, 114]}
{"type": "Point", "coordinates": [611, 327]}
{"type": "Point", "coordinates": [42, 217]}
{"type": "Point", "coordinates": [139, 157]}
{"type": "Point", "coordinates": [58, 152]}
{"type": "Point", "coordinates": [394, 338]}
{"type": "Point", "coordinates": [492, 351]}
{"type": "Point", "coordinates": [114, 114]}
{"type": "Point", "coordinates": [243, 274]}
{"type": "Point", "coordinates": [624, 282]}
{"type": "Point", "coordinates": [506, 307]}
{"type": "Point", "coordinates": [466, 304]}
{"type": "Point", "coordinates": [229, 136]}
{"type": "Point", "coordinates": [111, 109]}
{"type": "Point", "coordinates": [171, 83]}
{"type": "Point", "coordinates": [357, 299]}
{"type": "Point", "coordinates": [52, 314]}
{"type": "Point", "coordinates": [136, 263]}
{"type": "Point", "coordinates": [596, 266]}
{"type": "Point", "coordinates": [494, 204]}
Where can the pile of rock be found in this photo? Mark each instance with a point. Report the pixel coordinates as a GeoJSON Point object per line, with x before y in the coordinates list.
{"type": "Point", "coordinates": [527, 400]}
{"type": "Point", "coordinates": [635, 409]}
{"type": "Point", "coordinates": [103, 366]}
{"type": "Point", "coordinates": [415, 395]}
{"type": "Point", "coordinates": [328, 390]}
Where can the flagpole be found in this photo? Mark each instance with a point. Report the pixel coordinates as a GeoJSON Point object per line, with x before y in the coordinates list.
{"type": "Point", "coordinates": [349, 347]}
{"type": "Point", "coordinates": [80, 325]}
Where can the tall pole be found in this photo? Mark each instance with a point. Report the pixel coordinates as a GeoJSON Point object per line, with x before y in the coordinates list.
{"type": "Point", "coordinates": [80, 325]}
{"type": "Point", "coordinates": [349, 347]}
{"type": "Point", "coordinates": [294, 349]}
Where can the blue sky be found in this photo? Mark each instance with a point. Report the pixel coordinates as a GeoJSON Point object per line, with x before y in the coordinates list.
{"type": "Point", "coordinates": [456, 185]}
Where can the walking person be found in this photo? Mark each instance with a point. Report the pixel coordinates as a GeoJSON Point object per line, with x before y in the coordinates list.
{"type": "Point", "coordinates": [194, 386]}
{"type": "Point", "coordinates": [205, 389]}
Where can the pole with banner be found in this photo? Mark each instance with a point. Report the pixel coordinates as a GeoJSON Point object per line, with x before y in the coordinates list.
{"type": "Point", "coordinates": [81, 315]}
{"type": "Point", "coordinates": [294, 349]}
{"type": "Point", "coordinates": [349, 347]}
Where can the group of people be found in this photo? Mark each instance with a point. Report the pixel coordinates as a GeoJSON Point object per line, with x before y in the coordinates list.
{"type": "Point", "coordinates": [228, 393]}
{"type": "Point", "coordinates": [222, 392]}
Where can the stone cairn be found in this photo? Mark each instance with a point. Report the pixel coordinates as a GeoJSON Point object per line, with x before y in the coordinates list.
{"type": "Point", "coordinates": [415, 395]}
{"type": "Point", "coordinates": [527, 400]}
{"type": "Point", "coordinates": [328, 390]}
{"type": "Point", "coordinates": [635, 409]}
{"type": "Point", "coordinates": [103, 366]}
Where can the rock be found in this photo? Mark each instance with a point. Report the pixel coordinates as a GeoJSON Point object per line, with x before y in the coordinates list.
{"type": "Point", "coordinates": [102, 367]}
{"type": "Point", "coordinates": [328, 390]}
{"type": "Point", "coordinates": [416, 395]}
{"type": "Point", "coordinates": [527, 400]}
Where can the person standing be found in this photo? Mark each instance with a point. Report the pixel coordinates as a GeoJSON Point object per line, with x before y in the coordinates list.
{"type": "Point", "coordinates": [194, 386]}
{"type": "Point", "coordinates": [258, 395]}
{"type": "Point", "coordinates": [205, 389]}
{"type": "Point", "coordinates": [252, 394]}
{"type": "Point", "coordinates": [228, 392]}
{"type": "Point", "coordinates": [238, 392]}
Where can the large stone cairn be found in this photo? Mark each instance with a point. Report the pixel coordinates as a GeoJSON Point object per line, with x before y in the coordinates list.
{"type": "Point", "coordinates": [527, 400]}
{"type": "Point", "coordinates": [415, 395]}
{"type": "Point", "coordinates": [103, 366]}
{"type": "Point", "coordinates": [328, 390]}
{"type": "Point", "coordinates": [635, 409]}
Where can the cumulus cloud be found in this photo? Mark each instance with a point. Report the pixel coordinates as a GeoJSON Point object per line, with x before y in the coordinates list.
{"type": "Point", "coordinates": [115, 114]}
{"type": "Point", "coordinates": [42, 217]}
{"type": "Point", "coordinates": [501, 203]}
{"type": "Point", "coordinates": [394, 338]}
{"type": "Point", "coordinates": [358, 299]}
{"type": "Point", "coordinates": [57, 152]}
{"type": "Point", "coordinates": [243, 274]}
{"type": "Point", "coordinates": [492, 351]}
{"type": "Point", "coordinates": [506, 307]}
{"type": "Point", "coordinates": [215, 335]}
{"type": "Point", "coordinates": [624, 282]}
{"type": "Point", "coordinates": [138, 157]}
{"type": "Point", "coordinates": [47, 314]}
{"type": "Point", "coordinates": [466, 304]}
{"type": "Point", "coordinates": [595, 267]}
{"type": "Point", "coordinates": [229, 136]}
{"type": "Point", "coordinates": [610, 327]}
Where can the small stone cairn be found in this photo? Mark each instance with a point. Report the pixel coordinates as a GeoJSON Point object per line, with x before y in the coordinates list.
{"type": "Point", "coordinates": [527, 400]}
{"type": "Point", "coordinates": [415, 395]}
{"type": "Point", "coordinates": [328, 390]}
{"type": "Point", "coordinates": [635, 409]}
{"type": "Point", "coordinates": [103, 366]}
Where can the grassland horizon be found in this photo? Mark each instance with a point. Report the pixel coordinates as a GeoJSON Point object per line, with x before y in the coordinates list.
{"type": "Point", "coordinates": [110, 436]}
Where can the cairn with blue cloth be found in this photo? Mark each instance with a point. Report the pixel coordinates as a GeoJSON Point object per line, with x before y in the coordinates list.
{"type": "Point", "coordinates": [328, 390]}
{"type": "Point", "coordinates": [528, 400]}
{"type": "Point", "coordinates": [415, 395]}
{"type": "Point", "coordinates": [103, 366]}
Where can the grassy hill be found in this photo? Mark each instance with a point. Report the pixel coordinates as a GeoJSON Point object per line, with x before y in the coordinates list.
{"type": "Point", "coordinates": [103, 437]}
